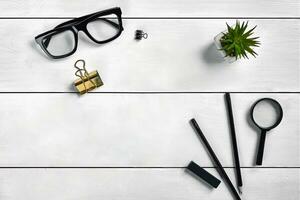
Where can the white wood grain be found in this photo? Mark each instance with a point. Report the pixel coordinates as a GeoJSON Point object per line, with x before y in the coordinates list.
{"type": "Point", "coordinates": [179, 55]}
{"type": "Point", "coordinates": [153, 8]}
{"type": "Point", "coordinates": [148, 184]}
{"type": "Point", "coordinates": [145, 130]}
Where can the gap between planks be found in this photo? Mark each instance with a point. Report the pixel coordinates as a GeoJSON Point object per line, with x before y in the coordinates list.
{"type": "Point", "coordinates": [154, 92]}
{"type": "Point", "coordinates": [142, 167]}
{"type": "Point", "coordinates": [159, 18]}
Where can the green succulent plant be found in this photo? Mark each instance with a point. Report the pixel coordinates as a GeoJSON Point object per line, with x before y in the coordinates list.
{"type": "Point", "coordinates": [236, 42]}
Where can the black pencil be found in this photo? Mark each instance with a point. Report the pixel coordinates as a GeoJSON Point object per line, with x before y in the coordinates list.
{"type": "Point", "coordinates": [220, 168]}
{"type": "Point", "coordinates": [234, 143]}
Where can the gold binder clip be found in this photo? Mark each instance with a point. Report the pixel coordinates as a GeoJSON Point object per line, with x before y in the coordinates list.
{"type": "Point", "coordinates": [87, 81]}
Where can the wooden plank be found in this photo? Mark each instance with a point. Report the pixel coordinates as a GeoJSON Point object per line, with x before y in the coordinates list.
{"type": "Point", "coordinates": [179, 55]}
{"type": "Point", "coordinates": [154, 8]}
{"type": "Point", "coordinates": [148, 184]}
{"type": "Point", "coordinates": [137, 130]}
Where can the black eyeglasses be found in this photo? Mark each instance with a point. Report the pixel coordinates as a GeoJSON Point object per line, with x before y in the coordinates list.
{"type": "Point", "coordinates": [101, 27]}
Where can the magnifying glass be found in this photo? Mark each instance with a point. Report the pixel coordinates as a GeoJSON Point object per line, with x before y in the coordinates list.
{"type": "Point", "coordinates": [266, 114]}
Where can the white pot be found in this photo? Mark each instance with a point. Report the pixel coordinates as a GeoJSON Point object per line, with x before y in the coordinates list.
{"type": "Point", "coordinates": [219, 46]}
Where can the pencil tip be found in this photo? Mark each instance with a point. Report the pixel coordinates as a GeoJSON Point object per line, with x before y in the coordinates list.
{"type": "Point", "coordinates": [240, 190]}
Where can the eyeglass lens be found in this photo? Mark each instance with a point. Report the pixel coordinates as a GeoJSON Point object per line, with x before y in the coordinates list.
{"type": "Point", "coordinates": [104, 27]}
{"type": "Point", "coordinates": [61, 43]}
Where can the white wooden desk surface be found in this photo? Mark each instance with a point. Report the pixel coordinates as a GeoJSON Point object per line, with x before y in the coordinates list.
{"type": "Point", "coordinates": [131, 138]}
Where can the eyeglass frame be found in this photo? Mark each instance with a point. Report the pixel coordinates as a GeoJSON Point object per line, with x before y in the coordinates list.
{"type": "Point", "coordinates": [80, 24]}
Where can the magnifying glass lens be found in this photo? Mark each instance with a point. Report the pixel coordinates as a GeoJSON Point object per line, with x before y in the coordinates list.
{"type": "Point", "coordinates": [265, 114]}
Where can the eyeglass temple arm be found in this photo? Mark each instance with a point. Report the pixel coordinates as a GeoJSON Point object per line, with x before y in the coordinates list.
{"type": "Point", "coordinates": [46, 43]}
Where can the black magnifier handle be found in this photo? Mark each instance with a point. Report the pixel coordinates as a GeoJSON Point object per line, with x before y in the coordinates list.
{"type": "Point", "coordinates": [261, 147]}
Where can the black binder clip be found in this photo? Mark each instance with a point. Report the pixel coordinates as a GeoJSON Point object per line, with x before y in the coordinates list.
{"type": "Point", "coordinates": [139, 34]}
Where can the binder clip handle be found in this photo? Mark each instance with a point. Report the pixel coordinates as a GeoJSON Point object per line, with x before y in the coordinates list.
{"type": "Point", "coordinates": [79, 68]}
